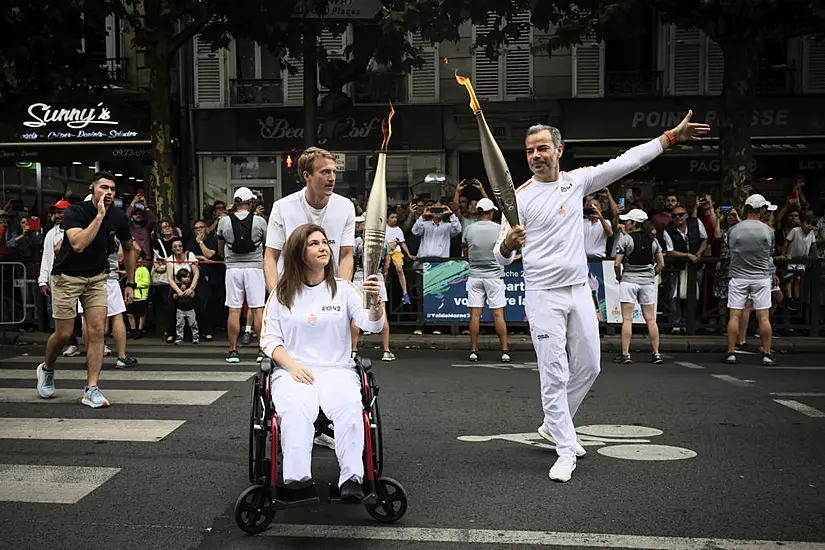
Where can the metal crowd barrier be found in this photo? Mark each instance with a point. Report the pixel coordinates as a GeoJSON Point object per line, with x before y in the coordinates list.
{"type": "Point", "coordinates": [14, 293]}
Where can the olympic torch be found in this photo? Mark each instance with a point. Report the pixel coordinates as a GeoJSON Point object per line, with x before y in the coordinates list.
{"type": "Point", "coordinates": [497, 172]}
{"type": "Point", "coordinates": [375, 224]}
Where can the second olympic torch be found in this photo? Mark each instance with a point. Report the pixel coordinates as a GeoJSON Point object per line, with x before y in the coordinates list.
{"type": "Point", "coordinates": [494, 164]}
{"type": "Point", "coordinates": [375, 224]}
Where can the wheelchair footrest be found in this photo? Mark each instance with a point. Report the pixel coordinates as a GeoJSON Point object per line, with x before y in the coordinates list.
{"type": "Point", "coordinates": [335, 495]}
{"type": "Point", "coordinates": [288, 497]}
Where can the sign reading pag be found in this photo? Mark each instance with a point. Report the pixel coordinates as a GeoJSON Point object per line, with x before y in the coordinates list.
{"type": "Point", "coordinates": [340, 9]}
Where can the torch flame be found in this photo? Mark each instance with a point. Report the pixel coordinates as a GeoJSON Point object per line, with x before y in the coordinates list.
{"type": "Point", "coordinates": [386, 129]}
{"type": "Point", "coordinates": [474, 105]}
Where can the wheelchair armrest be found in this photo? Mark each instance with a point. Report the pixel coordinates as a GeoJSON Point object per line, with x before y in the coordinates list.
{"type": "Point", "coordinates": [365, 363]}
{"type": "Point", "coordinates": [267, 365]}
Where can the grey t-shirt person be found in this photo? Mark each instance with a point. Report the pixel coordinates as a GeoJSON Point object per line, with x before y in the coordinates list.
{"type": "Point", "coordinates": [480, 238]}
{"type": "Point", "coordinates": [637, 274]}
{"type": "Point", "coordinates": [751, 245]}
{"type": "Point", "coordinates": [253, 259]}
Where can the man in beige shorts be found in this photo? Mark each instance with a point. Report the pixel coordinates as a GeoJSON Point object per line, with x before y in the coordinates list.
{"type": "Point", "coordinates": [80, 273]}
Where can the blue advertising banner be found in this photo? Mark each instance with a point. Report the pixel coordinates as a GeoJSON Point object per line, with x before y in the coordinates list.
{"type": "Point", "coordinates": [445, 292]}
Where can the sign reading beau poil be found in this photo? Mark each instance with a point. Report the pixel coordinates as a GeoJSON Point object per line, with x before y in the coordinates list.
{"type": "Point", "coordinates": [87, 123]}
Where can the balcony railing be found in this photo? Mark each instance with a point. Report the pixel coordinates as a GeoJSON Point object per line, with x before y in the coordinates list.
{"type": "Point", "coordinates": [379, 88]}
{"type": "Point", "coordinates": [634, 83]}
{"type": "Point", "coordinates": [115, 66]}
{"type": "Point", "coordinates": [776, 80]}
{"type": "Point", "coordinates": [256, 92]}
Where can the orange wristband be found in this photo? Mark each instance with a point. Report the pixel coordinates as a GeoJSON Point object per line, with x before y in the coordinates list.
{"type": "Point", "coordinates": [671, 137]}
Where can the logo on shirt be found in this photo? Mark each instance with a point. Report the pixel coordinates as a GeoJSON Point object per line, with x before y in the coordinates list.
{"type": "Point", "coordinates": [565, 189]}
{"type": "Point", "coordinates": [562, 211]}
{"type": "Point", "coordinates": [312, 319]}
{"type": "Point", "coordinates": [330, 308]}
{"type": "Point", "coordinates": [543, 336]}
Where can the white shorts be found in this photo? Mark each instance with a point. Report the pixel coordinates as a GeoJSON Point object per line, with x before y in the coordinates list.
{"type": "Point", "coordinates": [491, 289]}
{"type": "Point", "coordinates": [245, 282]}
{"type": "Point", "coordinates": [633, 293]}
{"type": "Point", "coordinates": [381, 293]}
{"type": "Point", "coordinates": [114, 299]}
{"type": "Point", "coordinates": [758, 290]}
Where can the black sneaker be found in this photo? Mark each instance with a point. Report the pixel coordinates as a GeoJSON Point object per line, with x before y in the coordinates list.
{"type": "Point", "coordinates": [474, 356]}
{"type": "Point", "coordinates": [260, 356]}
{"type": "Point", "coordinates": [623, 359]}
{"type": "Point", "coordinates": [126, 362]}
{"type": "Point", "coordinates": [769, 360]}
{"type": "Point", "coordinates": [233, 357]}
{"type": "Point", "coordinates": [351, 492]}
{"type": "Point", "coordinates": [730, 358]}
{"type": "Point", "coordinates": [246, 338]}
{"type": "Point", "coordinates": [656, 358]}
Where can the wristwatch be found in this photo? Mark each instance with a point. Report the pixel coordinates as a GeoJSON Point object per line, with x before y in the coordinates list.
{"type": "Point", "coordinates": [131, 285]}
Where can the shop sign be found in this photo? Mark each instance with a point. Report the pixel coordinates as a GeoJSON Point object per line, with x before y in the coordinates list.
{"type": "Point", "coordinates": [281, 129]}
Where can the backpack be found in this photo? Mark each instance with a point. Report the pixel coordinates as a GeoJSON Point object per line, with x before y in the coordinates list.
{"type": "Point", "coordinates": [642, 249]}
{"type": "Point", "coordinates": [242, 231]}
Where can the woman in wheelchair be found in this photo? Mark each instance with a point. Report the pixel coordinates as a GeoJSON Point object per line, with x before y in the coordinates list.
{"type": "Point", "coordinates": [306, 333]}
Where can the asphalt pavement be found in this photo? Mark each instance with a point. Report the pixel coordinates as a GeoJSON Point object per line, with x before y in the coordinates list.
{"type": "Point", "coordinates": [689, 454]}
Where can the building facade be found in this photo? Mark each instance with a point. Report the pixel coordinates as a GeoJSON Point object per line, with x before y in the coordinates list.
{"type": "Point", "coordinates": [605, 97]}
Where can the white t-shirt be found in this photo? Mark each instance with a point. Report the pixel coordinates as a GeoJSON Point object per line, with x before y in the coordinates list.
{"type": "Point", "coordinates": [316, 331]}
{"type": "Point", "coordinates": [178, 265]}
{"type": "Point", "coordinates": [337, 218]}
{"type": "Point", "coordinates": [799, 244]}
{"type": "Point", "coordinates": [393, 236]}
{"type": "Point", "coordinates": [552, 213]}
{"type": "Point", "coordinates": [595, 239]}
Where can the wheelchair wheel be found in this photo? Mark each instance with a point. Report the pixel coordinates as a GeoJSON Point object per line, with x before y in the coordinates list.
{"type": "Point", "coordinates": [392, 501]}
{"type": "Point", "coordinates": [378, 441]}
{"type": "Point", "coordinates": [257, 438]}
{"type": "Point", "coordinates": [254, 510]}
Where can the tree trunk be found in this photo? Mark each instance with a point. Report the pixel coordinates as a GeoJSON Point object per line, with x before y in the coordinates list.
{"type": "Point", "coordinates": [163, 159]}
{"type": "Point", "coordinates": [738, 100]}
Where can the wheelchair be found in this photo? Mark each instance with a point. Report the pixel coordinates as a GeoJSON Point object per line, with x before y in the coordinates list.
{"type": "Point", "coordinates": [384, 498]}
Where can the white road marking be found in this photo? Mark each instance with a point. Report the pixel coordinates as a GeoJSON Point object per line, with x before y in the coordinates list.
{"type": "Point", "coordinates": [732, 380]}
{"type": "Point", "coordinates": [50, 484]}
{"type": "Point", "coordinates": [117, 397]}
{"type": "Point", "coordinates": [481, 365]}
{"type": "Point", "coordinates": [798, 394]}
{"type": "Point", "coordinates": [134, 375]}
{"type": "Point", "coordinates": [109, 362]}
{"type": "Point", "coordinates": [792, 368]}
{"type": "Point", "coordinates": [467, 537]}
{"type": "Point", "coordinates": [77, 429]}
{"type": "Point", "coordinates": [646, 452]}
{"type": "Point", "coordinates": [618, 430]}
{"type": "Point", "coordinates": [801, 407]}
{"type": "Point", "coordinates": [689, 365]}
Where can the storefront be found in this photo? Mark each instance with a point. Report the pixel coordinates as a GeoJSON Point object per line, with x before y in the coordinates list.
{"type": "Point", "coordinates": [788, 142]}
{"type": "Point", "coordinates": [49, 151]}
{"type": "Point", "coordinates": [259, 148]}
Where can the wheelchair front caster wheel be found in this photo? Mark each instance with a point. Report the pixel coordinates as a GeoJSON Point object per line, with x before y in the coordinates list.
{"type": "Point", "coordinates": [254, 510]}
{"type": "Point", "coordinates": [391, 501]}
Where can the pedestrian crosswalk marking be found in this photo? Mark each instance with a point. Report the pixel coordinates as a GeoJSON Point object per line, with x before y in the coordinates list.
{"type": "Point", "coordinates": [82, 429]}
{"type": "Point", "coordinates": [109, 362]}
{"type": "Point", "coordinates": [168, 351]}
{"type": "Point", "coordinates": [47, 484]}
{"type": "Point", "coordinates": [134, 375]}
{"type": "Point", "coordinates": [116, 397]}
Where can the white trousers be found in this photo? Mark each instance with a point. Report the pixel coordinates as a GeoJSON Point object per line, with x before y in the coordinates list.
{"type": "Point", "coordinates": [337, 392]}
{"type": "Point", "coordinates": [565, 335]}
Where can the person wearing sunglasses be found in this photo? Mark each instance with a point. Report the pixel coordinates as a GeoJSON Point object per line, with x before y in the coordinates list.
{"type": "Point", "coordinates": [685, 242]}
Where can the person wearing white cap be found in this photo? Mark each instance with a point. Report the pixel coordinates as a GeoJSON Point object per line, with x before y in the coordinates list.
{"type": "Point", "coordinates": [241, 238]}
{"type": "Point", "coordinates": [639, 260]}
{"type": "Point", "coordinates": [752, 271]}
{"type": "Point", "coordinates": [559, 305]}
{"type": "Point", "coordinates": [485, 283]}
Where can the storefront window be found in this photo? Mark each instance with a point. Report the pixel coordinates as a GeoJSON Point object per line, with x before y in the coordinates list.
{"type": "Point", "coordinates": [405, 175]}
{"type": "Point", "coordinates": [18, 187]}
{"type": "Point", "coordinates": [254, 168]}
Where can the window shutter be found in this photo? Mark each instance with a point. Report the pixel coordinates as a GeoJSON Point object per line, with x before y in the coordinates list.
{"type": "Point", "coordinates": [813, 65]}
{"type": "Point", "coordinates": [714, 67]}
{"type": "Point", "coordinates": [424, 80]}
{"type": "Point", "coordinates": [518, 61]}
{"type": "Point", "coordinates": [685, 61]}
{"type": "Point", "coordinates": [209, 75]}
{"type": "Point", "coordinates": [588, 69]}
{"type": "Point", "coordinates": [294, 83]}
{"type": "Point", "coordinates": [486, 72]}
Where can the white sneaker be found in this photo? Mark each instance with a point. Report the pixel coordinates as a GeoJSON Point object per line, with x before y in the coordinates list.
{"type": "Point", "coordinates": [106, 351]}
{"type": "Point", "coordinates": [505, 357]}
{"type": "Point", "coordinates": [325, 441]}
{"type": "Point", "coordinates": [580, 452]}
{"type": "Point", "coordinates": [562, 470]}
{"type": "Point", "coordinates": [388, 356]}
{"type": "Point", "coordinates": [71, 351]}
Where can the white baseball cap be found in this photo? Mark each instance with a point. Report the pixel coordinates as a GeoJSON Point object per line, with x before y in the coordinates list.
{"type": "Point", "coordinates": [244, 194]}
{"type": "Point", "coordinates": [758, 201]}
{"type": "Point", "coordinates": [88, 198]}
{"type": "Point", "coordinates": [636, 215]}
{"type": "Point", "coordinates": [485, 205]}
{"type": "Point", "coordinates": [361, 218]}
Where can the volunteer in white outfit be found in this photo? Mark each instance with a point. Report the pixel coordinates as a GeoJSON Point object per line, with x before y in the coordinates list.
{"type": "Point", "coordinates": [317, 204]}
{"type": "Point", "coordinates": [559, 306]}
{"type": "Point", "coordinates": [50, 241]}
{"type": "Point", "coordinates": [639, 260]}
{"type": "Point", "coordinates": [306, 332]}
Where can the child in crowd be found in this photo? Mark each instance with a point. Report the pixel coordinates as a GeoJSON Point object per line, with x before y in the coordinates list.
{"type": "Point", "coordinates": [185, 307]}
{"type": "Point", "coordinates": [137, 309]}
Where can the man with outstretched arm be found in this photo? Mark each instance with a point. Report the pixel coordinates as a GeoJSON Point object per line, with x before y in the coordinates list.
{"type": "Point", "coordinates": [559, 306]}
{"type": "Point", "coordinates": [80, 273]}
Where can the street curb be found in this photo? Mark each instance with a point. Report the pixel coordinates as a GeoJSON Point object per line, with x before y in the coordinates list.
{"type": "Point", "coordinates": [516, 342]}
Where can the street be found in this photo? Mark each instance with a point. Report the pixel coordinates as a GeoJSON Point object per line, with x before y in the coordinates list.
{"type": "Point", "coordinates": [692, 449]}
